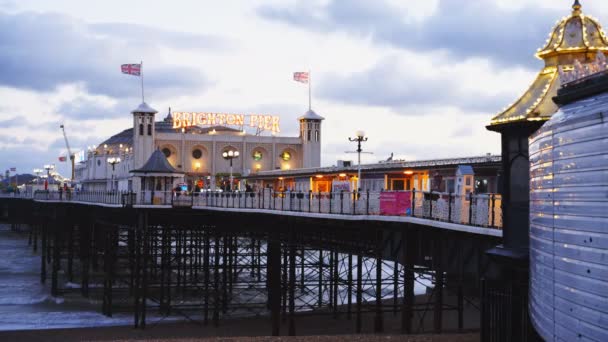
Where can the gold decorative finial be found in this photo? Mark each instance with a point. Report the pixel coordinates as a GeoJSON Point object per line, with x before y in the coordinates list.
{"type": "Point", "coordinates": [576, 7]}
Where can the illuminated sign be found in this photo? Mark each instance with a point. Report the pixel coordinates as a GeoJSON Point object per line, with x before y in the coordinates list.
{"type": "Point", "coordinates": [189, 119]}
{"type": "Point", "coordinates": [257, 155]}
{"type": "Point", "coordinates": [286, 156]}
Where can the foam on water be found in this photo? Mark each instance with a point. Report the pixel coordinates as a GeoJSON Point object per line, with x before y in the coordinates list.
{"type": "Point", "coordinates": [27, 304]}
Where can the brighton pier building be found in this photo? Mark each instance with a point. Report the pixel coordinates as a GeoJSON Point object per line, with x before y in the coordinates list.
{"type": "Point", "coordinates": [202, 150]}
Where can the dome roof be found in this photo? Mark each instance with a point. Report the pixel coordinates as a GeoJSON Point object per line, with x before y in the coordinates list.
{"type": "Point", "coordinates": [311, 115]}
{"type": "Point", "coordinates": [575, 33]}
{"type": "Point", "coordinates": [575, 38]}
{"type": "Point", "coordinates": [144, 108]}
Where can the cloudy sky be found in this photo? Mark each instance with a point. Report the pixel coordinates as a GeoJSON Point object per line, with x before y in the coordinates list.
{"type": "Point", "coordinates": [422, 78]}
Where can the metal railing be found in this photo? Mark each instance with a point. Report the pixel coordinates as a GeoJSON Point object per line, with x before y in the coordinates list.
{"type": "Point", "coordinates": [483, 210]}
{"type": "Point", "coordinates": [106, 197]}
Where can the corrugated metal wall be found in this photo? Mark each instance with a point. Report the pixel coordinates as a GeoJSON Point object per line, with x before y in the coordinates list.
{"type": "Point", "coordinates": [569, 223]}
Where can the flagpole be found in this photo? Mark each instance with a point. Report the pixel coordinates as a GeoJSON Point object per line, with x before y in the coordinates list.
{"type": "Point", "coordinates": [309, 91]}
{"type": "Point", "coordinates": [142, 81]}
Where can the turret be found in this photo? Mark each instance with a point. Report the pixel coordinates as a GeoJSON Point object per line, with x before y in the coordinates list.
{"type": "Point", "coordinates": [143, 134]}
{"type": "Point", "coordinates": [310, 133]}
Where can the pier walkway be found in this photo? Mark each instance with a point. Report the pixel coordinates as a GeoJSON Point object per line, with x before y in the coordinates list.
{"type": "Point", "coordinates": [478, 214]}
{"type": "Point", "coordinates": [216, 256]}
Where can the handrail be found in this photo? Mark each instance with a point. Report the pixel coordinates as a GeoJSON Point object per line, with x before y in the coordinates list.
{"type": "Point", "coordinates": [482, 210]}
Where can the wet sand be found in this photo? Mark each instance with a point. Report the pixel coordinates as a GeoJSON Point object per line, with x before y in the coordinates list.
{"type": "Point", "coordinates": [253, 329]}
{"type": "Point", "coordinates": [317, 327]}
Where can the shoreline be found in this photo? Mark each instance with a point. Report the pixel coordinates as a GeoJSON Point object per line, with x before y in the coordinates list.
{"type": "Point", "coordinates": [319, 325]}
{"type": "Point", "coordinates": [315, 328]}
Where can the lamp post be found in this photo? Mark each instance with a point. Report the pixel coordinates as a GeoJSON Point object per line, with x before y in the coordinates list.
{"type": "Point", "coordinates": [360, 137]}
{"type": "Point", "coordinates": [113, 161]}
{"type": "Point", "coordinates": [48, 168]}
{"type": "Point", "coordinates": [229, 155]}
{"type": "Point", "coordinates": [37, 172]}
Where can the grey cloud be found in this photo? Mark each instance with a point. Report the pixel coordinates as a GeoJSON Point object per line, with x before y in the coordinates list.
{"type": "Point", "coordinates": [462, 131]}
{"type": "Point", "coordinates": [12, 122]}
{"type": "Point", "coordinates": [142, 34]}
{"type": "Point", "coordinates": [42, 51]}
{"type": "Point", "coordinates": [437, 148]}
{"type": "Point", "coordinates": [12, 140]}
{"type": "Point", "coordinates": [7, 4]}
{"type": "Point", "coordinates": [76, 143]}
{"type": "Point", "coordinates": [36, 158]}
{"type": "Point", "coordinates": [84, 109]}
{"type": "Point", "coordinates": [384, 85]}
{"type": "Point", "coordinates": [463, 28]}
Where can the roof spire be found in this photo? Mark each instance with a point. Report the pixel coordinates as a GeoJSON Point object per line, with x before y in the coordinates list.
{"type": "Point", "coordinates": [169, 116]}
{"type": "Point", "coordinates": [576, 8]}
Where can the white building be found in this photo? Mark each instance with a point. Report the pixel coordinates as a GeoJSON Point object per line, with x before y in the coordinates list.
{"type": "Point", "coordinates": [194, 143]}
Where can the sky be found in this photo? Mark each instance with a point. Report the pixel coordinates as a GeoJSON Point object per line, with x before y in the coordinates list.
{"type": "Point", "coordinates": [421, 78]}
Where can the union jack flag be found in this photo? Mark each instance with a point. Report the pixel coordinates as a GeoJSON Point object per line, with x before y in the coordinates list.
{"type": "Point", "coordinates": [300, 77]}
{"type": "Point", "coordinates": [131, 69]}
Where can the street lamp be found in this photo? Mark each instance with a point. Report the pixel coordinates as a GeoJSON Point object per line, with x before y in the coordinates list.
{"type": "Point", "coordinates": [48, 168]}
{"type": "Point", "coordinates": [360, 137]}
{"type": "Point", "coordinates": [113, 161]}
{"type": "Point", "coordinates": [37, 172]}
{"type": "Point", "coordinates": [229, 155]}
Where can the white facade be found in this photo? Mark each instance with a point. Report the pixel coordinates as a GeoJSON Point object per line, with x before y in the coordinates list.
{"type": "Point", "coordinates": [197, 151]}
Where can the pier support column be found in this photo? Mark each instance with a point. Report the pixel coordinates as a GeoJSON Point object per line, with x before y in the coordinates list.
{"type": "Point", "coordinates": [43, 247]}
{"type": "Point", "coordinates": [206, 273]}
{"type": "Point", "coordinates": [408, 255]}
{"type": "Point", "coordinates": [292, 283]}
{"type": "Point", "coordinates": [460, 303]}
{"type": "Point", "coordinates": [335, 284]}
{"type": "Point", "coordinates": [146, 260]}
{"type": "Point", "coordinates": [349, 299]}
{"type": "Point", "coordinates": [285, 279]}
{"type": "Point", "coordinates": [216, 279]}
{"type": "Point", "coordinates": [320, 278]}
{"type": "Point", "coordinates": [274, 281]}
{"type": "Point", "coordinates": [438, 265]}
{"type": "Point", "coordinates": [85, 255]}
{"type": "Point", "coordinates": [35, 231]}
{"type": "Point", "coordinates": [57, 240]}
{"type": "Point", "coordinates": [379, 318]}
{"type": "Point", "coordinates": [137, 272]}
{"type": "Point", "coordinates": [359, 291]}
{"type": "Point", "coordinates": [225, 271]}
{"type": "Point", "coordinates": [71, 227]}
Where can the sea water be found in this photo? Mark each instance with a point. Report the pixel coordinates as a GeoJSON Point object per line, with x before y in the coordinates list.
{"type": "Point", "coordinates": [25, 303]}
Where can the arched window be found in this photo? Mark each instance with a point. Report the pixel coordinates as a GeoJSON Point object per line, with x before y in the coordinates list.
{"type": "Point", "coordinates": [286, 156]}
{"type": "Point", "coordinates": [150, 126]}
{"type": "Point", "coordinates": [197, 154]}
{"type": "Point", "coordinates": [257, 155]}
{"type": "Point", "coordinates": [309, 135]}
{"type": "Point", "coordinates": [141, 126]}
{"type": "Point", "coordinates": [317, 135]}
